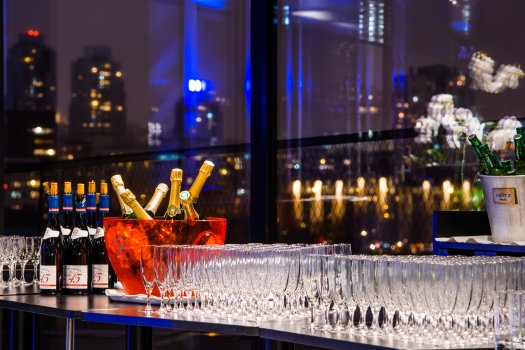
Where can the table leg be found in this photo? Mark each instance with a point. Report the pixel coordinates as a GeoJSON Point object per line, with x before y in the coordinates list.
{"type": "Point", "coordinates": [70, 334]}
{"type": "Point", "coordinates": [138, 338]}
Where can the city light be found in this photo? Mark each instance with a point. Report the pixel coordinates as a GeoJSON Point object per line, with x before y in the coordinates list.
{"type": "Point", "coordinates": [426, 185]}
{"type": "Point", "coordinates": [296, 189]}
{"type": "Point", "coordinates": [339, 188]}
{"type": "Point", "coordinates": [383, 187]}
{"type": "Point", "coordinates": [27, 59]}
{"type": "Point", "coordinates": [118, 74]}
{"type": "Point", "coordinates": [364, 233]}
{"type": "Point", "coordinates": [317, 189]}
{"type": "Point", "coordinates": [196, 85]}
{"type": "Point", "coordinates": [33, 33]}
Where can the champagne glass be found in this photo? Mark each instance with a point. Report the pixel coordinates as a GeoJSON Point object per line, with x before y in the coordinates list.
{"type": "Point", "coordinates": [148, 273]}
{"type": "Point", "coordinates": [161, 269]}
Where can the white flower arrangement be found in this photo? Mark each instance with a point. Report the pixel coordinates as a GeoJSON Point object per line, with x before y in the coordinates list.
{"type": "Point", "coordinates": [457, 122]}
{"type": "Point", "coordinates": [481, 68]}
{"type": "Point", "coordinates": [503, 134]}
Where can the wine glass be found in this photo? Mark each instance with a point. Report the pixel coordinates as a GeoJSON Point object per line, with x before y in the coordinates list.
{"type": "Point", "coordinates": [26, 252]}
{"type": "Point", "coordinates": [35, 258]}
{"type": "Point", "coordinates": [148, 273]}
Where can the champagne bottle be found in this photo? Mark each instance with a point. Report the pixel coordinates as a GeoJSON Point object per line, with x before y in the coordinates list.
{"type": "Point", "coordinates": [142, 200]}
{"type": "Point", "coordinates": [67, 214]}
{"type": "Point", "coordinates": [204, 173]}
{"type": "Point", "coordinates": [51, 248]}
{"type": "Point", "coordinates": [519, 154]}
{"type": "Point", "coordinates": [118, 186]}
{"type": "Point", "coordinates": [154, 203]}
{"type": "Point", "coordinates": [102, 275]}
{"type": "Point", "coordinates": [91, 209]}
{"type": "Point", "coordinates": [77, 269]}
{"type": "Point", "coordinates": [186, 200]}
{"type": "Point", "coordinates": [129, 199]}
{"type": "Point", "coordinates": [174, 212]}
{"type": "Point", "coordinates": [46, 190]}
{"type": "Point", "coordinates": [476, 144]}
{"type": "Point", "coordinates": [507, 167]}
{"type": "Point", "coordinates": [493, 159]}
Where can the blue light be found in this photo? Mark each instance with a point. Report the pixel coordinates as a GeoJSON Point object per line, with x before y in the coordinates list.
{"type": "Point", "coordinates": [296, 166]}
{"type": "Point", "coordinates": [461, 26]}
{"type": "Point", "coordinates": [196, 85]}
{"type": "Point", "coordinates": [214, 4]}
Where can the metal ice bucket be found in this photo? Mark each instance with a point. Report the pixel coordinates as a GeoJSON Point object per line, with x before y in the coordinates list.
{"type": "Point", "coordinates": [505, 202]}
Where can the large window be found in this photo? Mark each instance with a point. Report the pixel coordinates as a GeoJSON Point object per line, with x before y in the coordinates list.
{"type": "Point", "coordinates": [172, 78]}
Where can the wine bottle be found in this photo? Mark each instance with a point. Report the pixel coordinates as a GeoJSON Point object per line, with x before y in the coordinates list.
{"type": "Point", "coordinates": [118, 186]}
{"type": "Point", "coordinates": [187, 204]}
{"type": "Point", "coordinates": [204, 173]}
{"type": "Point", "coordinates": [67, 223]}
{"type": "Point", "coordinates": [77, 269]}
{"type": "Point", "coordinates": [519, 154]}
{"type": "Point", "coordinates": [174, 212]}
{"type": "Point", "coordinates": [51, 248]}
{"type": "Point", "coordinates": [129, 199]}
{"type": "Point", "coordinates": [102, 275]}
{"type": "Point", "coordinates": [91, 209]}
{"type": "Point", "coordinates": [154, 203]}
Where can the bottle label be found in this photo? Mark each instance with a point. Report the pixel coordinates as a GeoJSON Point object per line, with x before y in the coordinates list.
{"type": "Point", "coordinates": [51, 233]}
{"type": "Point", "coordinates": [504, 196]}
{"type": "Point", "coordinates": [76, 276]}
{"type": "Point", "coordinates": [92, 231]}
{"type": "Point", "coordinates": [100, 233]}
{"type": "Point", "coordinates": [78, 233]}
{"type": "Point", "coordinates": [48, 277]}
{"type": "Point", "coordinates": [99, 278]}
{"type": "Point", "coordinates": [65, 231]}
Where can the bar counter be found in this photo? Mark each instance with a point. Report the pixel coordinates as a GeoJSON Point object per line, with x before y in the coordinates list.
{"type": "Point", "coordinates": [100, 309]}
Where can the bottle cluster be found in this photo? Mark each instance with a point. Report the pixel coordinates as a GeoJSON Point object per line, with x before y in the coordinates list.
{"type": "Point", "coordinates": [73, 254]}
{"type": "Point", "coordinates": [180, 204]}
{"type": "Point", "coordinates": [491, 165]}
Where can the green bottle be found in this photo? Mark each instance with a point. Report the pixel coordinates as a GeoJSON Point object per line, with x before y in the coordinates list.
{"type": "Point", "coordinates": [508, 168]}
{"type": "Point", "coordinates": [519, 153]}
{"type": "Point", "coordinates": [493, 159]}
{"type": "Point", "coordinates": [476, 144]}
{"type": "Point", "coordinates": [521, 131]}
{"type": "Point", "coordinates": [487, 168]}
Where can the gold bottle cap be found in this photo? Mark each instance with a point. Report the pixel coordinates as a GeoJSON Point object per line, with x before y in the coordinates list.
{"type": "Point", "coordinates": [80, 189]}
{"type": "Point", "coordinates": [163, 188]}
{"type": "Point", "coordinates": [67, 187]}
{"type": "Point", "coordinates": [128, 197]}
{"type": "Point", "coordinates": [207, 167]}
{"type": "Point", "coordinates": [176, 174]}
{"type": "Point", "coordinates": [45, 186]}
{"type": "Point", "coordinates": [54, 188]}
{"type": "Point", "coordinates": [92, 187]}
{"type": "Point", "coordinates": [116, 181]}
{"type": "Point", "coordinates": [103, 188]}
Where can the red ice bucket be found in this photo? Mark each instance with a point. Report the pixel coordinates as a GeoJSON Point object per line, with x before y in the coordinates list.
{"type": "Point", "coordinates": [124, 238]}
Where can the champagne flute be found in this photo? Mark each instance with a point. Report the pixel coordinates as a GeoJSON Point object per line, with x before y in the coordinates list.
{"type": "Point", "coordinates": [148, 273]}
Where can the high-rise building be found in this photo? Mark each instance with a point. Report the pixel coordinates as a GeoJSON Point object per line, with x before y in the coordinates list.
{"type": "Point", "coordinates": [31, 74]}
{"type": "Point", "coordinates": [97, 94]}
{"type": "Point", "coordinates": [31, 99]}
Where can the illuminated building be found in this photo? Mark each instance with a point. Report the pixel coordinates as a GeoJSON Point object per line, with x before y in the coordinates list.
{"type": "Point", "coordinates": [31, 74]}
{"type": "Point", "coordinates": [98, 101]}
{"type": "Point", "coordinates": [31, 99]}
